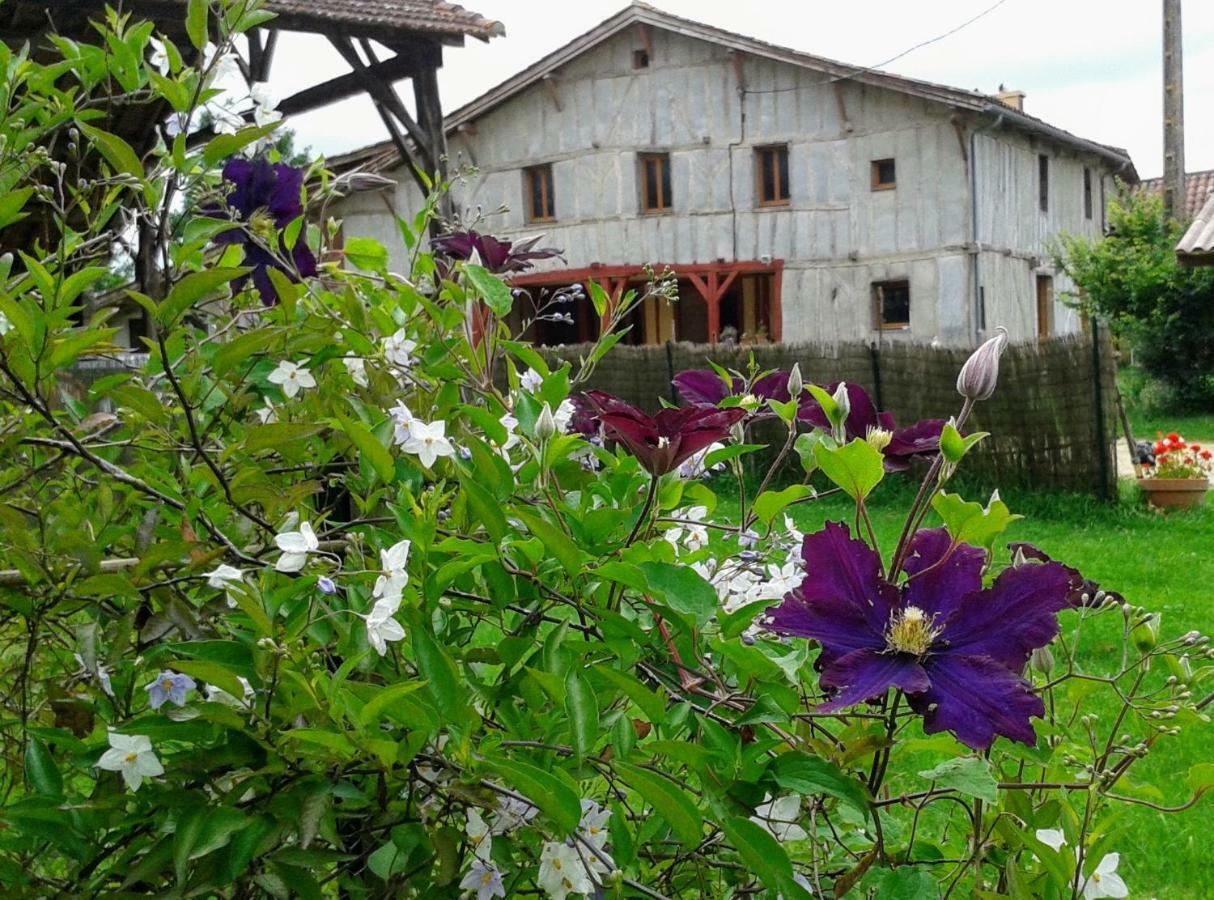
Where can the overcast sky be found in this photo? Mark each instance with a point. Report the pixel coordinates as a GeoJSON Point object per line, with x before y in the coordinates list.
{"type": "Point", "coordinates": [1092, 67]}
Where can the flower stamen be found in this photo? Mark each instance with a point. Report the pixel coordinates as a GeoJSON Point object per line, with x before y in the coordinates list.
{"type": "Point", "coordinates": [911, 631]}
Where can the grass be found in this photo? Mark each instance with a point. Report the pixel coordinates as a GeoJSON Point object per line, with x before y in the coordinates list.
{"type": "Point", "coordinates": [1163, 563]}
{"type": "Point", "coordinates": [1147, 418]}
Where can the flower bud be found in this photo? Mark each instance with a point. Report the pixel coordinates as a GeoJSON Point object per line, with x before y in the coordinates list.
{"type": "Point", "coordinates": [796, 384]}
{"type": "Point", "coordinates": [545, 425]}
{"type": "Point", "coordinates": [1146, 633]}
{"type": "Point", "coordinates": [878, 438]}
{"type": "Point", "coordinates": [1042, 660]}
{"type": "Point", "coordinates": [980, 373]}
{"type": "Point", "coordinates": [842, 400]}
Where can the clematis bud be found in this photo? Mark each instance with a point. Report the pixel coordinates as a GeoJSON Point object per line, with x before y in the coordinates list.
{"type": "Point", "coordinates": [796, 383]}
{"type": "Point", "coordinates": [980, 373]}
{"type": "Point", "coordinates": [1146, 633]}
{"type": "Point", "coordinates": [545, 425]}
{"type": "Point", "coordinates": [1042, 660]}
{"type": "Point", "coordinates": [842, 400]}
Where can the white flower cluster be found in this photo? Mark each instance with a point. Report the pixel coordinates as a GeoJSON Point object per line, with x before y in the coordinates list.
{"type": "Point", "coordinates": [1104, 880]}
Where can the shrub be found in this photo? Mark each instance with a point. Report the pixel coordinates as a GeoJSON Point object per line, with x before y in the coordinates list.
{"type": "Point", "coordinates": [345, 593]}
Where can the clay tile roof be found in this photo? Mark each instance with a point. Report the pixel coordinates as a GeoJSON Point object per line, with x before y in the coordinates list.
{"type": "Point", "coordinates": [1199, 186]}
{"type": "Point", "coordinates": [434, 16]}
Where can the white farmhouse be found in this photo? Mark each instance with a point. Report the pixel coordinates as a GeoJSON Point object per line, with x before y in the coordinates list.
{"type": "Point", "coordinates": [796, 198]}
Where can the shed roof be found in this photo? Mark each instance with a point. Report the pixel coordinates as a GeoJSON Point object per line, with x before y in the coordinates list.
{"type": "Point", "coordinates": [381, 156]}
{"type": "Point", "coordinates": [1196, 248]}
{"type": "Point", "coordinates": [1198, 187]}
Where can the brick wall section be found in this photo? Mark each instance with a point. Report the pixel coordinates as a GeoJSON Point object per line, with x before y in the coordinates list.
{"type": "Point", "coordinates": [1046, 431]}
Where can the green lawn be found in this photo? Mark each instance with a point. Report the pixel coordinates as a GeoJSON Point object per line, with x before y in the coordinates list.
{"type": "Point", "coordinates": [1164, 563]}
{"type": "Point", "coordinates": [1147, 420]}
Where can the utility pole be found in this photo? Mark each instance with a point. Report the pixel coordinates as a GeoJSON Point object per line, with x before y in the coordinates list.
{"type": "Point", "coordinates": [1173, 113]}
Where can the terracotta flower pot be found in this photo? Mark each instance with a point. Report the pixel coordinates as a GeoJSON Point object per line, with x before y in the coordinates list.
{"type": "Point", "coordinates": [1174, 493]}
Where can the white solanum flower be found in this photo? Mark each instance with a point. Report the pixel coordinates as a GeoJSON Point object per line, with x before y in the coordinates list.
{"type": "Point", "coordinates": [693, 466]}
{"type": "Point", "coordinates": [484, 878]}
{"type": "Point", "coordinates": [222, 66]}
{"type": "Point", "coordinates": [1104, 880]}
{"type": "Point", "coordinates": [478, 833]}
{"type": "Point", "coordinates": [159, 56]}
{"type": "Point", "coordinates": [131, 754]}
{"type": "Point", "coordinates": [382, 629]}
{"type": "Point", "coordinates": [510, 423]}
{"type": "Point", "coordinates": [394, 575]}
{"type": "Point", "coordinates": [563, 415]}
{"type": "Point", "coordinates": [295, 547]}
{"type": "Point", "coordinates": [402, 419]}
{"type": "Point", "coordinates": [780, 580]}
{"type": "Point", "coordinates": [224, 576]}
{"type": "Point", "coordinates": [1052, 838]}
{"type": "Point", "coordinates": [291, 377]}
{"type": "Point", "coordinates": [264, 104]}
{"type": "Point", "coordinates": [398, 350]}
{"type": "Point", "coordinates": [779, 817]}
{"type": "Point", "coordinates": [512, 813]}
{"type": "Point", "coordinates": [428, 441]}
{"type": "Point", "coordinates": [267, 414]}
{"type": "Point", "coordinates": [562, 872]}
{"type": "Point", "coordinates": [219, 695]}
{"type": "Point", "coordinates": [357, 367]}
{"type": "Point", "coordinates": [5, 325]}
{"type": "Point", "coordinates": [531, 381]}
{"type": "Point", "coordinates": [690, 535]}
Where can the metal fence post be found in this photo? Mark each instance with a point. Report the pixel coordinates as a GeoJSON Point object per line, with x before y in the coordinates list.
{"type": "Point", "coordinates": [1102, 449]}
{"type": "Point", "coordinates": [674, 398]}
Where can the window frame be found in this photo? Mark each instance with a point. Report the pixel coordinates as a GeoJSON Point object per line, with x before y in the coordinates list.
{"type": "Point", "coordinates": [640, 58]}
{"type": "Point", "coordinates": [543, 171]}
{"type": "Point", "coordinates": [1087, 193]}
{"type": "Point", "coordinates": [878, 295]}
{"type": "Point", "coordinates": [772, 154]}
{"type": "Point", "coordinates": [1043, 182]}
{"type": "Point", "coordinates": [664, 187]}
{"type": "Point", "coordinates": [876, 183]}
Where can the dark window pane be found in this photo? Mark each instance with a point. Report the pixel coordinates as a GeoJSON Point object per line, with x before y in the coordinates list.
{"type": "Point", "coordinates": [137, 327]}
{"type": "Point", "coordinates": [651, 183]}
{"type": "Point", "coordinates": [782, 159]}
{"type": "Point", "coordinates": [537, 195]}
{"type": "Point", "coordinates": [893, 299]}
{"type": "Point", "coordinates": [1043, 182]}
{"type": "Point", "coordinates": [766, 161]}
{"type": "Point", "coordinates": [1087, 193]}
{"type": "Point", "coordinates": [640, 59]}
{"type": "Point", "coordinates": [664, 162]}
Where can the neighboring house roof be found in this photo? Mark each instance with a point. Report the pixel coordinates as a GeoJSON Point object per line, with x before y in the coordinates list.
{"type": "Point", "coordinates": [1198, 187]}
{"type": "Point", "coordinates": [382, 155]}
{"type": "Point", "coordinates": [1196, 248]}
{"type": "Point", "coordinates": [380, 19]}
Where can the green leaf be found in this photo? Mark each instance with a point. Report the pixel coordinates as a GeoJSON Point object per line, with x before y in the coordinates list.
{"type": "Point", "coordinates": [954, 447]}
{"type": "Point", "coordinates": [856, 467]}
{"type": "Point", "coordinates": [223, 146]}
{"type": "Point", "coordinates": [770, 504]}
{"type": "Point", "coordinates": [651, 704]}
{"type": "Point", "coordinates": [763, 856]}
{"type": "Point", "coordinates": [439, 670]}
{"type": "Point", "coordinates": [497, 294]}
{"type": "Point", "coordinates": [12, 204]}
{"type": "Point", "coordinates": [41, 770]}
{"type": "Point", "coordinates": [196, 23]}
{"type": "Point", "coordinates": [486, 509]}
{"type": "Point", "coordinates": [967, 775]}
{"type": "Point", "coordinates": [582, 707]}
{"type": "Point", "coordinates": [682, 589]}
{"type": "Point", "coordinates": [370, 448]}
{"type": "Point", "coordinates": [191, 289]}
{"type": "Point", "coordinates": [370, 713]}
{"type": "Point", "coordinates": [906, 883]}
{"type": "Point", "coordinates": [367, 254]}
{"type": "Point", "coordinates": [232, 353]}
{"type": "Point", "coordinates": [117, 152]}
{"type": "Point", "coordinates": [274, 435]}
{"type": "Point", "coordinates": [809, 775]}
{"type": "Point", "coordinates": [69, 348]}
{"type": "Point", "coordinates": [553, 796]}
{"type": "Point", "coordinates": [554, 540]}
{"type": "Point", "coordinates": [671, 802]}
{"type": "Point", "coordinates": [969, 522]}
{"type": "Point", "coordinates": [210, 672]}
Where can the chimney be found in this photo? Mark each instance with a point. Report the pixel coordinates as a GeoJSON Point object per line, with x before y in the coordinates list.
{"type": "Point", "coordinates": [1014, 99]}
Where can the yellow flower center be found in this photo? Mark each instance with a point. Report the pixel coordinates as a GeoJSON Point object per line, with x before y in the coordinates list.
{"type": "Point", "coordinates": [130, 757]}
{"type": "Point", "coordinates": [487, 878]}
{"type": "Point", "coordinates": [910, 631]}
{"type": "Point", "coordinates": [166, 683]}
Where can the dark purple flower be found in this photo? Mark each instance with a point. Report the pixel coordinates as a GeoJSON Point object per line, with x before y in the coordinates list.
{"type": "Point", "coordinates": [705, 387]}
{"type": "Point", "coordinates": [918, 440]}
{"type": "Point", "coordinates": [955, 648]}
{"type": "Point", "coordinates": [497, 255]}
{"type": "Point", "coordinates": [663, 442]}
{"type": "Point", "coordinates": [265, 199]}
{"type": "Point", "coordinates": [1080, 591]}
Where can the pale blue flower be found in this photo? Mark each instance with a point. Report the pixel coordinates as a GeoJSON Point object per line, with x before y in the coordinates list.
{"type": "Point", "coordinates": [169, 686]}
{"type": "Point", "coordinates": [327, 585]}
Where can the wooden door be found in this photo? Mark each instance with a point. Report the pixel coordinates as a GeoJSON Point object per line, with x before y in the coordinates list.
{"type": "Point", "coordinates": [1045, 306]}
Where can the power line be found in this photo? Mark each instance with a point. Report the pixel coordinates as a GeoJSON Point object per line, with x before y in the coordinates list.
{"type": "Point", "coordinates": [885, 62]}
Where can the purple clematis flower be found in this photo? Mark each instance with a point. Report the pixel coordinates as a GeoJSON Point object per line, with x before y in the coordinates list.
{"type": "Point", "coordinates": [1081, 591]}
{"type": "Point", "coordinates": [918, 440]}
{"type": "Point", "coordinates": [663, 442]}
{"type": "Point", "coordinates": [497, 255]}
{"type": "Point", "coordinates": [169, 686]}
{"type": "Point", "coordinates": [265, 199]}
{"type": "Point", "coordinates": [956, 649]}
{"type": "Point", "coordinates": [705, 387]}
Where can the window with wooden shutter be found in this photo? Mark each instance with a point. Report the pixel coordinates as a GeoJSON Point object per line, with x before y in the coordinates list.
{"type": "Point", "coordinates": [537, 182]}
{"type": "Point", "coordinates": [655, 182]}
{"type": "Point", "coordinates": [891, 305]}
{"type": "Point", "coordinates": [771, 175]}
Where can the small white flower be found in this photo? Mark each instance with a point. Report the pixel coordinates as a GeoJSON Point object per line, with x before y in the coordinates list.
{"type": "Point", "coordinates": [402, 419]}
{"type": "Point", "coordinates": [295, 547]}
{"type": "Point", "coordinates": [693, 466]}
{"type": "Point", "coordinates": [264, 104]}
{"type": "Point", "coordinates": [398, 350]}
{"type": "Point", "coordinates": [382, 629]}
{"type": "Point", "coordinates": [357, 367]}
{"type": "Point", "coordinates": [131, 754]}
{"type": "Point", "coordinates": [531, 381]}
{"type": "Point", "coordinates": [1104, 881]}
{"type": "Point", "coordinates": [159, 56]}
{"type": "Point", "coordinates": [219, 695]}
{"type": "Point", "coordinates": [268, 413]}
{"type": "Point", "coordinates": [478, 833]}
{"type": "Point", "coordinates": [779, 817]}
{"type": "Point", "coordinates": [102, 673]}
{"type": "Point", "coordinates": [562, 872]}
{"type": "Point", "coordinates": [5, 325]}
{"type": "Point", "coordinates": [484, 878]}
{"type": "Point", "coordinates": [223, 577]}
{"type": "Point", "coordinates": [512, 814]}
{"type": "Point", "coordinates": [510, 423]}
{"type": "Point", "coordinates": [563, 415]}
{"type": "Point", "coordinates": [292, 378]}
{"type": "Point", "coordinates": [394, 576]}
{"type": "Point", "coordinates": [223, 67]}
{"type": "Point", "coordinates": [781, 580]}
{"type": "Point", "coordinates": [428, 441]}
{"type": "Point", "coordinates": [1052, 838]}
{"type": "Point", "coordinates": [692, 535]}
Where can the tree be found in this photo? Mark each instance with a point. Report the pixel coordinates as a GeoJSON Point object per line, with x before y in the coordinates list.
{"type": "Point", "coordinates": [1131, 280]}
